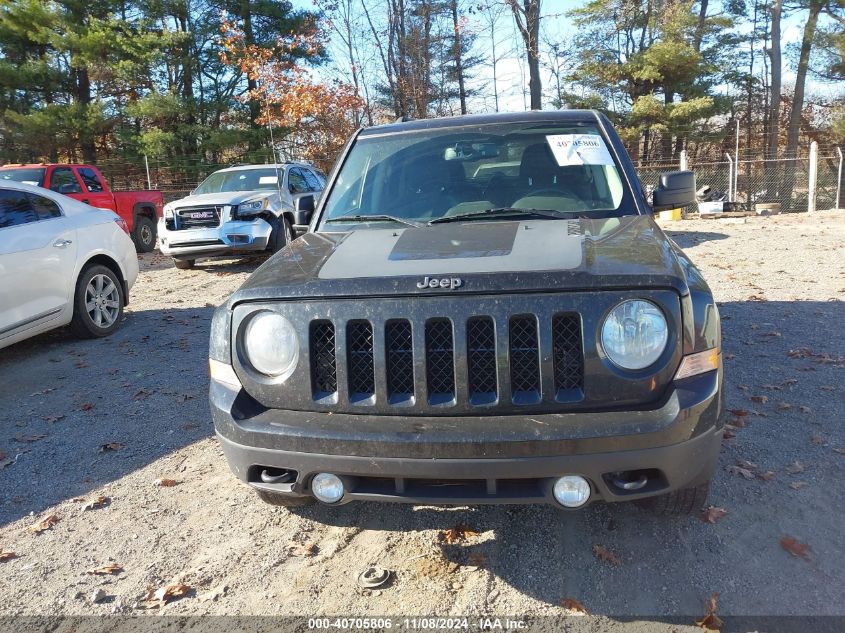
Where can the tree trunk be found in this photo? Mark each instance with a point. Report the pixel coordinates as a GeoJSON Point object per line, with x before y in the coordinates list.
{"type": "Point", "coordinates": [527, 20]}
{"type": "Point", "coordinates": [251, 83]}
{"type": "Point", "coordinates": [794, 125]}
{"type": "Point", "coordinates": [459, 65]}
{"type": "Point", "coordinates": [775, 58]}
{"type": "Point", "coordinates": [83, 98]}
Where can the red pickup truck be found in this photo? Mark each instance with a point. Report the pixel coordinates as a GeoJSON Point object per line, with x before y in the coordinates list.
{"type": "Point", "coordinates": [140, 209]}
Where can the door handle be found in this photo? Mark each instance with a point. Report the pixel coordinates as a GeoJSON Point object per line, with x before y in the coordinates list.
{"type": "Point", "coordinates": [62, 243]}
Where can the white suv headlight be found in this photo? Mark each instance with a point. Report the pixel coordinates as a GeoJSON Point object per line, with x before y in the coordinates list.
{"type": "Point", "coordinates": [634, 334]}
{"type": "Point", "coordinates": [271, 345]}
{"type": "Point", "coordinates": [252, 206]}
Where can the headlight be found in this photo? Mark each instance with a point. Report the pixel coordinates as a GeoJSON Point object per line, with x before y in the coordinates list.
{"type": "Point", "coordinates": [634, 334]}
{"type": "Point", "coordinates": [271, 345]}
{"type": "Point", "coordinates": [252, 206]}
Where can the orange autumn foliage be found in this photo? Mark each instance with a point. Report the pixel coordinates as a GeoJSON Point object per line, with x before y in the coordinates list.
{"type": "Point", "coordinates": [315, 118]}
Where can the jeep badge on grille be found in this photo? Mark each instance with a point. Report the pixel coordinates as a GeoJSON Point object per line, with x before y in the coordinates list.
{"type": "Point", "coordinates": [447, 282]}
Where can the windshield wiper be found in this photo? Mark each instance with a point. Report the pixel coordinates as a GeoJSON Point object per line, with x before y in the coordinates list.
{"type": "Point", "coordinates": [349, 219]}
{"type": "Point", "coordinates": [504, 212]}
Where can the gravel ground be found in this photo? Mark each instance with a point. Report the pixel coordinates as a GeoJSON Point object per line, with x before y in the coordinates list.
{"type": "Point", "coordinates": [86, 419]}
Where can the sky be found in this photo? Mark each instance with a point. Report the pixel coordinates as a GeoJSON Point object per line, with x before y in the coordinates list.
{"type": "Point", "coordinates": [512, 79]}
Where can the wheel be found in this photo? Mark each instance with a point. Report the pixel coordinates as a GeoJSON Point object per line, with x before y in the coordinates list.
{"type": "Point", "coordinates": [184, 264]}
{"type": "Point", "coordinates": [678, 502]}
{"type": "Point", "coordinates": [275, 499]}
{"type": "Point", "coordinates": [144, 234]}
{"type": "Point", "coordinates": [98, 303]}
{"type": "Point", "coordinates": [281, 236]}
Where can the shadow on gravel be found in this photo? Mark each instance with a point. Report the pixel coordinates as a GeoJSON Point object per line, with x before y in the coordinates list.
{"type": "Point", "coordinates": [687, 239]}
{"type": "Point", "coordinates": [145, 388]}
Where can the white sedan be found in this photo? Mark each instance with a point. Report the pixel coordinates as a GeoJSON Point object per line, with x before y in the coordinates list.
{"type": "Point", "coordinates": [61, 262]}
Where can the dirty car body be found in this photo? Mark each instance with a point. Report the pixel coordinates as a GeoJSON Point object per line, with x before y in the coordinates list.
{"type": "Point", "coordinates": [508, 319]}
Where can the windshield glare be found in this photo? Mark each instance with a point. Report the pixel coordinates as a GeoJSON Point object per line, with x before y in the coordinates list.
{"type": "Point", "coordinates": [27, 175]}
{"type": "Point", "coordinates": [431, 174]}
{"type": "Point", "coordinates": [241, 180]}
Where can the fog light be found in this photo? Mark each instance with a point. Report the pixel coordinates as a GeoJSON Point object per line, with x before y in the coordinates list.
{"type": "Point", "coordinates": [327, 488]}
{"type": "Point", "coordinates": [572, 491]}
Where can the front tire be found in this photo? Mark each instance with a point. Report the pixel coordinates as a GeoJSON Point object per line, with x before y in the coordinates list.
{"type": "Point", "coordinates": [281, 236]}
{"type": "Point", "coordinates": [98, 303]}
{"type": "Point", "coordinates": [184, 264]}
{"type": "Point", "coordinates": [681, 502]}
{"type": "Point", "coordinates": [144, 234]}
{"type": "Point", "coordinates": [275, 499]}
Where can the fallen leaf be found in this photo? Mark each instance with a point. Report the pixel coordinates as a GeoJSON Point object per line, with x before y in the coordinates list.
{"type": "Point", "coordinates": [87, 406]}
{"type": "Point", "coordinates": [795, 467]}
{"type": "Point", "coordinates": [190, 426]}
{"type": "Point", "coordinates": [710, 621]}
{"type": "Point", "coordinates": [801, 352]}
{"type": "Point", "coordinates": [476, 559]}
{"type": "Point", "coordinates": [44, 524]}
{"type": "Point", "coordinates": [142, 394]}
{"type": "Point", "coordinates": [818, 440]}
{"type": "Point", "coordinates": [769, 475]}
{"type": "Point", "coordinates": [167, 593]}
{"type": "Point", "coordinates": [304, 550]}
{"type": "Point", "coordinates": [111, 446]}
{"type": "Point", "coordinates": [841, 451]}
{"type": "Point", "coordinates": [573, 606]}
{"type": "Point", "coordinates": [740, 413]}
{"type": "Point", "coordinates": [53, 418]}
{"type": "Point", "coordinates": [729, 356]}
{"type": "Point", "coordinates": [797, 485]}
{"type": "Point", "coordinates": [606, 555]}
{"type": "Point", "coordinates": [784, 406]}
{"type": "Point", "coordinates": [746, 464]}
{"type": "Point", "coordinates": [7, 556]}
{"type": "Point", "coordinates": [712, 514]}
{"type": "Point", "coordinates": [161, 482]}
{"type": "Point", "coordinates": [790, 381]}
{"type": "Point", "coordinates": [760, 399]}
{"type": "Point", "coordinates": [106, 570]}
{"type": "Point", "coordinates": [804, 409]}
{"type": "Point", "coordinates": [794, 547]}
{"type": "Point", "coordinates": [99, 502]}
{"type": "Point", "coordinates": [738, 470]}
{"type": "Point", "coordinates": [29, 438]}
{"type": "Point", "coordinates": [457, 534]}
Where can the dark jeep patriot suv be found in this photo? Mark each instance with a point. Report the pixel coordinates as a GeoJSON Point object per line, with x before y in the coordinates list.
{"type": "Point", "coordinates": [483, 311]}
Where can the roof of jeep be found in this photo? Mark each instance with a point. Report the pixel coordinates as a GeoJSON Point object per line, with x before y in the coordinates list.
{"type": "Point", "coordinates": [563, 116]}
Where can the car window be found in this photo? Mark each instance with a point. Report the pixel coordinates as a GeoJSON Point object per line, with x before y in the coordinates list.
{"type": "Point", "coordinates": [296, 181]}
{"type": "Point", "coordinates": [313, 182]}
{"type": "Point", "coordinates": [45, 208]}
{"type": "Point", "coordinates": [63, 180]}
{"type": "Point", "coordinates": [91, 180]}
{"type": "Point", "coordinates": [258, 179]}
{"type": "Point", "coordinates": [16, 208]}
{"type": "Point", "coordinates": [26, 175]}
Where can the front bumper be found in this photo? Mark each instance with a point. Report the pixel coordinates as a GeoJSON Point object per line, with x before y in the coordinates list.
{"type": "Point", "coordinates": [474, 460]}
{"type": "Point", "coordinates": [231, 237]}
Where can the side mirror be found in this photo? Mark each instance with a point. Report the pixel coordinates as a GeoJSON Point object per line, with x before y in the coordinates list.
{"type": "Point", "coordinates": [676, 189]}
{"type": "Point", "coordinates": [303, 208]}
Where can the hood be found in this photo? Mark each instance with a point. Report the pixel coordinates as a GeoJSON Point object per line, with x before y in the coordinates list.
{"type": "Point", "coordinates": [221, 199]}
{"type": "Point", "coordinates": [476, 257]}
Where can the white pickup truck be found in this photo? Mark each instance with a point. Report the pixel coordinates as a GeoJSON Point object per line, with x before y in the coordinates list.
{"type": "Point", "coordinates": [245, 209]}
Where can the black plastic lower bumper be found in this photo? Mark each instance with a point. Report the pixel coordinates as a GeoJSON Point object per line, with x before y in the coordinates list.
{"type": "Point", "coordinates": [493, 459]}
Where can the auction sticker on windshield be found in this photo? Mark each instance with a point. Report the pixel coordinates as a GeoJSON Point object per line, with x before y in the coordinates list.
{"type": "Point", "coordinates": [579, 149]}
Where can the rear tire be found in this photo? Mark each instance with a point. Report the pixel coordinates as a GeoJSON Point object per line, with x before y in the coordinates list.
{"type": "Point", "coordinates": [681, 502]}
{"type": "Point", "coordinates": [97, 302]}
{"type": "Point", "coordinates": [281, 236]}
{"type": "Point", "coordinates": [184, 264]}
{"type": "Point", "coordinates": [275, 499]}
{"type": "Point", "coordinates": [144, 234]}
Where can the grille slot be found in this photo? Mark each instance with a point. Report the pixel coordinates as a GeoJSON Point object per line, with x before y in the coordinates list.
{"type": "Point", "coordinates": [400, 362]}
{"type": "Point", "coordinates": [202, 217]}
{"type": "Point", "coordinates": [525, 359]}
{"type": "Point", "coordinates": [481, 360]}
{"type": "Point", "coordinates": [323, 360]}
{"type": "Point", "coordinates": [359, 355]}
{"type": "Point", "coordinates": [440, 361]}
{"type": "Point", "coordinates": [568, 356]}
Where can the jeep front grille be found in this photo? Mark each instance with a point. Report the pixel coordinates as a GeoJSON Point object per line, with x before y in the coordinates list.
{"type": "Point", "coordinates": [365, 367]}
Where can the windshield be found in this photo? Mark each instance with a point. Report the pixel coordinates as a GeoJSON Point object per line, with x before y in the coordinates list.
{"type": "Point", "coordinates": [241, 180]}
{"type": "Point", "coordinates": [27, 175]}
{"type": "Point", "coordinates": [497, 171]}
